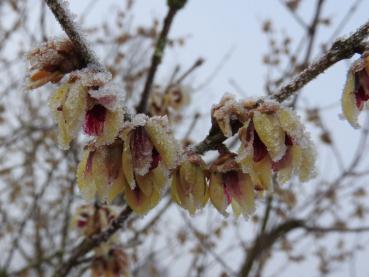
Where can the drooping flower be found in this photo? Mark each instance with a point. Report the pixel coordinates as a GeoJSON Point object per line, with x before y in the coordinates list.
{"type": "Point", "coordinates": [93, 219]}
{"type": "Point", "coordinates": [230, 186]}
{"type": "Point", "coordinates": [189, 186]}
{"type": "Point", "coordinates": [51, 61]}
{"type": "Point", "coordinates": [274, 140]}
{"type": "Point", "coordinates": [100, 172]}
{"type": "Point", "coordinates": [228, 114]}
{"type": "Point", "coordinates": [114, 263]}
{"type": "Point", "coordinates": [177, 97]}
{"type": "Point", "coordinates": [86, 101]}
{"type": "Point", "coordinates": [356, 91]}
{"type": "Point", "coordinates": [150, 151]}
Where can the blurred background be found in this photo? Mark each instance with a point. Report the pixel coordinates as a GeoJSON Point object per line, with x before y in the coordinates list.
{"type": "Point", "coordinates": [249, 48]}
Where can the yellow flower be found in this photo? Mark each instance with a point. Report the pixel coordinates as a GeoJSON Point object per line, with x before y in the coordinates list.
{"type": "Point", "coordinates": [356, 90]}
{"type": "Point", "coordinates": [93, 219]}
{"type": "Point", "coordinates": [274, 140]}
{"type": "Point", "coordinates": [189, 188]}
{"type": "Point", "coordinates": [68, 105]}
{"type": "Point", "coordinates": [229, 185]}
{"type": "Point", "coordinates": [113, 263]}
{"type": "Point", "coordinates": [100, 172]}
{"type": "Point", "coordinates": [81, 103]}
{"type": "Point", "coordinates": [51, 61]}
{"type": "Point", "coordinates": [150, 151]}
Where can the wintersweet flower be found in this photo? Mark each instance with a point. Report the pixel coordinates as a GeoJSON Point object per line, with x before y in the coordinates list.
{"type": "Point", "coordinates": [189, 187]}
{"type": "Point", "coordinates": [114, 263]}
{"type": "Point", "coordinates": [356, 91]}
{"type": "Point", "coordinates": [100, 172]}
{"type": "Point", "coordinates": [228, 114]}
{"type": "Point", "coordinates": [51, 61]}
{"type": "Point", "coordinates": [177, 97]}
{"type": "Point", "coordinates": [93, 219]}
{"type": "Point", "coordinates": [274, 140]}
{"type": "Point", "coordinates": [230, 186]}
{"type": "Point", "coordinates": [86, 101]}
{"type": "Point", "coordinates": [150, 151]}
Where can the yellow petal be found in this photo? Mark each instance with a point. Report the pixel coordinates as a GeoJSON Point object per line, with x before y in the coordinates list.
{"type": "Point", "coordinates": [139, 202]}
{"type": "Point", "coordinates": [160, 177]}
{"type": "Point", "coordinates": [85, 179]}
{"type": "Point", "coordinates": [285, 174]}
{"type": "Point", "coordinates": [271, 134]}
{"type": "Point", "coordinates": [348, 101]}
{"type": "Point", "coordinates": [245, 195]}
{"type": "Point", "coordinates": [290, 123]}
{"type": "Point", "coordinates": [128, 165]}
{"type": "Point", "coordinates": [112, 125]}
{"type": "Point", "coordinates": [216, 193]}
{"type": "Point", "coordinates": [307, 166]}
{"type": "Point", "coordinates": [163, 141]}
{"type": "Point", "coordinates": [116, 187]}
{"type": "Point", "coordinates": [145, 183]}
{"type": "Point", "coordinates": [261, 174]}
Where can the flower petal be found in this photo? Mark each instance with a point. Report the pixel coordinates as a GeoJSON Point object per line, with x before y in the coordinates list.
{"type": "Point", "coordinates": [348, 101]}
{"type": "Point", "coordinates": [271, 134]}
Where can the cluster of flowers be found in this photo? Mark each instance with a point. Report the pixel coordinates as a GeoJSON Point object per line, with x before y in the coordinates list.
{"type": "Point", "coordinates": [138, 157]}
{"type": "Point", "coordinates": [109, 258]}
{"type": "Point", "coordinates": [356, 91]}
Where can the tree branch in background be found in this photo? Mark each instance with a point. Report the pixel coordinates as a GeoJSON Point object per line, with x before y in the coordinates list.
{"type": "Point", "coordinates": [158, 54]}
{"type": "Point", "coordinates": [340, 50]}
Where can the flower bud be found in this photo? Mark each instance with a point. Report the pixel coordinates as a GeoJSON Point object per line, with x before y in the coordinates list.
{"type": "Point", "coordinates": [100, 172]}
{"type": "Point", "coordinates": [189, 187]}
{"type": "Point", "coordinates": [229, 185]}
{"type": "Point", "coordinates": [356, 90]}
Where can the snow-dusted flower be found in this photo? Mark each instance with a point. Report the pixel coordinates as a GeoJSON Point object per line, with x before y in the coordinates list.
{"type": "Point", "coordinates": [93, 219]}
{"type": "Point", "coordinates": [86, 101]}
{"type": "Point", "coordinates": [189, 187]}
{"type": "Point", "coordinates": [168, 102]}
{"type": "Point", "coordinates": [228, 114]}
{"type": "Point", "coordinates": [100, 172]}
{"type": "Point", "coordinates": [230, 186]}
{"type": "Point", "coordinates": [150, 151]}
{"type": "Point", "coordinates": [274, 140]}
{"type": "Point", "coordinates": [356, 91]}
{"type": "Point", "coordinates": [114, 263]}
{"type": "Point", "coordinates": [51, 61]}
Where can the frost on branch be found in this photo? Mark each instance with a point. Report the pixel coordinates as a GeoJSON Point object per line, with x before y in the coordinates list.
{"type": "Point", "coordinates": [356, 91]}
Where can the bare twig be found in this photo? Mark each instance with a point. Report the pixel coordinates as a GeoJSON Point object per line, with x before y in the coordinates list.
{"type": "Point", "coordinates": [157, 56]}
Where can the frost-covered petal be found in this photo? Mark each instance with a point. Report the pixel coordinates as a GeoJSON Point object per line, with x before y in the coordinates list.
{"type": "Point", "coordinates": [271, 134]}
{"type": "Point", "coordinates": [68, 105]}
{"type": "Point", "coordinates": [262, 174]}
{"type": "Point", "coordinates": [290, 123]}
{"type": "Point", "coordinates": [112, 125]}
{"type": "Point", "coordinates": [243, 194]}
{"type": "Point", "coordinates": [127, 165]}
{"type": "Point", "coordinates": [142, 151]}
{"type": "Point", "coordinates": [348, 101]}
{"type": "Point", "coordinates": [291, 166]}
{"type": "Point", "coordinates": [217, 193]}
{"type": "Point", "coordinates": [164, 142]}
{"type": "Point", "coordinates": [307, 165]}
{"type": "Point", "coordinates": [139, 202]}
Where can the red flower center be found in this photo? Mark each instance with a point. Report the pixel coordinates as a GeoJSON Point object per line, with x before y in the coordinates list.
{"type": "Point", "coordinates": [94, 120]}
